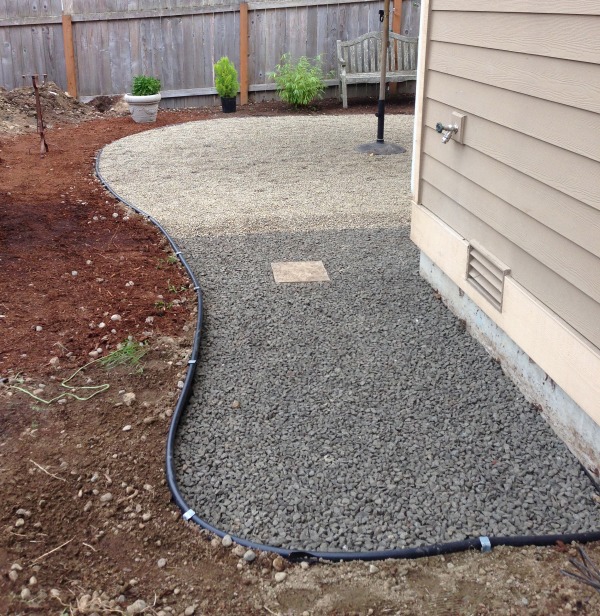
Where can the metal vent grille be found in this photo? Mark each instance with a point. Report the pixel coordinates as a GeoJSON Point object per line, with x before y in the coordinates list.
{"type": "Point", "coordinates": [486, 274]}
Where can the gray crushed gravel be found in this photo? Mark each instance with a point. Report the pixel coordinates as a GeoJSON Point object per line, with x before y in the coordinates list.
{"type": "Point", "coordinates": [356, 414]}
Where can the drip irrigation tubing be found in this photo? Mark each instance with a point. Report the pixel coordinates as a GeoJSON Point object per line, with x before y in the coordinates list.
{"type": "Point", "coordinates": [484, 543]}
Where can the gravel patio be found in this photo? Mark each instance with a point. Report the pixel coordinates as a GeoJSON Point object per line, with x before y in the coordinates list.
{"type": "Point", "coordinates": [354, 414]}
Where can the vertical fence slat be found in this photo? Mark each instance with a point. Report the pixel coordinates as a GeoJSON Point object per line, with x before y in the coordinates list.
{"type": "Point", "coordinates": [244, 53]}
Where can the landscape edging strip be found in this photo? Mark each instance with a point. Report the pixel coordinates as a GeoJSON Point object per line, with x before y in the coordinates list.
{"type": "Point", "coordinates": [484, 544]}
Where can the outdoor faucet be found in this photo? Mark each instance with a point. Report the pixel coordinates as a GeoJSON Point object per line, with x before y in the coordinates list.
{"type": "Point", "coordinates": [447, 131]}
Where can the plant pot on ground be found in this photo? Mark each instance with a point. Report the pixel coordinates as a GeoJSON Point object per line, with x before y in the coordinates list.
{"type": "Point", "coordinates": [144, 98]}
{"type": "Point", "coordinates": [226, 84]}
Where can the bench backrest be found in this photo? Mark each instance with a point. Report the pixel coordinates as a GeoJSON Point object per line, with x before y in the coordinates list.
{"type": "Point", "coordinates": [363, 54]}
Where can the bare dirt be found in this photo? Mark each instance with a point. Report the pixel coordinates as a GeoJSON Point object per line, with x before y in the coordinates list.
{"type": "Point", "coordinates": [86, 521]}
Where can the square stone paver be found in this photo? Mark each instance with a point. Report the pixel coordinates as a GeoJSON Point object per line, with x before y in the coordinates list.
{"type": "Point", "coordinates": [299, 271]}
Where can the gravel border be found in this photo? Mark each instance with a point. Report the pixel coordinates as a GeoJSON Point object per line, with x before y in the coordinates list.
{"type": "Point", "coordinates": [351, 415]}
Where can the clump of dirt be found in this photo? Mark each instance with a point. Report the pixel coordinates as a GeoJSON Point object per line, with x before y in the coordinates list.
{"type": "Point", "coordinates": [18, 111]}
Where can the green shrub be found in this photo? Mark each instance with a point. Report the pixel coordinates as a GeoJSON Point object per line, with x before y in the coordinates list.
{"type": "Point", "coordinates": [226, 78]}
{"type": "Point", "coordinates": [145, 86]}
{"type": "Point", "coordinates": [301, 82]}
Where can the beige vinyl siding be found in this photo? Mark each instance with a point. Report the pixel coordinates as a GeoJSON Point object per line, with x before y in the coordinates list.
{"type": "Point", "coordinates": [526, 183]}
{"type": "Point", "coordinates": [576, 308]}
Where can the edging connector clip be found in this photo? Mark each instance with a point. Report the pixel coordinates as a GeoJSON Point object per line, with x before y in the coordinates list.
{"type": "Point", "coordinates": [189, 514]}
{"type": "Point", "coordinates": [486, 544]}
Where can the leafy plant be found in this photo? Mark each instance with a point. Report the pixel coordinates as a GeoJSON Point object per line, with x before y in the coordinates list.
{"type": "Point", "coordinates": [301, 82]}
{"type": "Point", "coordinates": [130, 353]}
{"type": "Point", "coordinates": [145, 86]}
{"type": "Point", "coordinates": [163, 306]}
{"type": "Point", "coordinates": [226, 78]}
{"type": "Point", "coordinates": [170, 260]}
{"type": "Point", "coordinates": [174, 288]}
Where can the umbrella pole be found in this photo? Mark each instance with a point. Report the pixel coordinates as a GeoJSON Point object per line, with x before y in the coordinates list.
{"type": "Point", "coordinates": [385, 37]}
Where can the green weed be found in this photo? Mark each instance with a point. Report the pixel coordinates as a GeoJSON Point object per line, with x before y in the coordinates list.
{"type": "Point", "coordinates": [130, 354]}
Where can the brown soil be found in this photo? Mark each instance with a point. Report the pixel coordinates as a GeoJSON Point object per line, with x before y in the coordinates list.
{"type": "Point", "coordinates": [71, 258]}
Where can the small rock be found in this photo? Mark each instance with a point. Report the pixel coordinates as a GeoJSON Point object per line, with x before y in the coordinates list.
{"type": "Point", "coordinates": [129, 398]}
{"type": "Point", "coordinates": [74, 273]}
{"type": "Point", "coordinates": [13, 576]}
{"type": "Point", "coordinates": [190, 610]}
{"type": "Point", "coordinates": [93, 354]}
{"type": "Point", "coordinates": [88, 262]}
{"type": "Point", "coordinates": [105, 498]}
{"type": "Point", "coordinates": [53, 361]}
{"type": "Point", "coordinates": [137, 607]}
{"type": "Point", "coordinates": [373, 569]}
{"type": "Point", "coordinates": [161, 562]}
{"type": "Point", "coordinates": [280, 576]}
{"type": "Point", "coordinates": [32, 580]}
{"type": "Point", "coordinates": [115, 317]}
{"type": "Point", "coordinates": [23, 513]}
{"type": "Point", "coordinates": [227, 541]}
{"type": "Point", "coordinates": [19, 522]}
{"type": "Point", "coordinates": [115, 215]}
{"type": "Point", "coordinates": [38, 328]}
{"type": "Point", "coordinates": [55, 593]}
{"type": "Point", "coordinates": [180, 384]}
{"type": "Point", "coordinates": [101, 325]}
{"type": "Point", "coordinates": [25, 594]}
{"type": "Point", "coordinates": [249, 556]}
{"type": "Point", "coordinates": [235, 404]}
{"type": "Point", "coordinates": [146, 517]}
{"type": "Point", "coordinates": [215, 542]}
{"type": "Point", "coordinates": [239, 550]}
{"type": "Point", "coordinates": [149, 320]}
{"type": "Point", "coordinates": [126, 428]}
{"type": "Point", "coordinates": [304, 565]}
{"type": "Point", "coordinates": [278, 564]}
{"type": "Point", "coordinates": [16, 567]}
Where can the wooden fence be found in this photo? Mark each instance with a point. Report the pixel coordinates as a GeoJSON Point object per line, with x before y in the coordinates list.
{"type": "Point", "coordinates": [95, 47]}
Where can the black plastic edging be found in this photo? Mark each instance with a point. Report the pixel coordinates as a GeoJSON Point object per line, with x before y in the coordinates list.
{"type": "Point", "coordinates": [484, 544]}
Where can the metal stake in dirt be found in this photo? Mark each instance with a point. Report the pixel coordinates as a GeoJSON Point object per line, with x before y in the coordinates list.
{"type": "Point", "coordinates": [40, 118]}
{"type": "Point", "coordinates": [380, 147]}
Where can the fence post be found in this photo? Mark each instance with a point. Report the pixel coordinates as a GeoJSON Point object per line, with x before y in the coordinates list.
{"type": "Point", "coordinates": [396, 27]}
{"type": "Point", "coordinates": [243, 53]}
{"type": "Point", "coordinates": [67, 28]}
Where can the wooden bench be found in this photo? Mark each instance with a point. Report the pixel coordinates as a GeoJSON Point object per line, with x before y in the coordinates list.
{"type": "Point", "coordinates": [359, 60]}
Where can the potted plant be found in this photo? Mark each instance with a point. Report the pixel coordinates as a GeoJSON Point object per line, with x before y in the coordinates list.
{"type": "Point", "coordinates": [226, 83]}
{"type": "Point", "coordinates": [144, 98]}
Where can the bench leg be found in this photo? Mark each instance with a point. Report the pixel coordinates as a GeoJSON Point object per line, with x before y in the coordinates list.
{"type": "Point", "coordinates": [344, 94]}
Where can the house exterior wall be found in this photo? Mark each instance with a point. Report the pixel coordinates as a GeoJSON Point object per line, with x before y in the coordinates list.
{"type": "Point", "coordinates": [525, 183]}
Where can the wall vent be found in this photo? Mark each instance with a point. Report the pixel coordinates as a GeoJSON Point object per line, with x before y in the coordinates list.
{"type": "Point", "coordinates": [486, 274]}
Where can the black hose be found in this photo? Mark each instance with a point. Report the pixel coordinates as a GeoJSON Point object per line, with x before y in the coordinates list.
{"type": "Point", "coordinates": [484, 544]}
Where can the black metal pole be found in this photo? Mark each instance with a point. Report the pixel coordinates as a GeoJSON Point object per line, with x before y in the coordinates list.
{"type": "Point", "coordinates": [385, 37]}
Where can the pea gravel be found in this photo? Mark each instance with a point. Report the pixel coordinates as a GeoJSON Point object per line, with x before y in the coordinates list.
{"type": "Point", "coordinates": [355, 414]}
